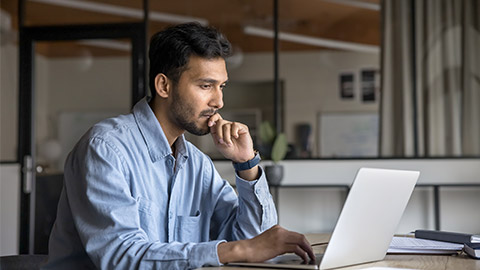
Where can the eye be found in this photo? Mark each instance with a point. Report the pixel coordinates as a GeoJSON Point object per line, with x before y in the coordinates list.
{"type": "Point", "coordinates": [206, 86]}
{"type": "Point", "coordinates": [223, 86]}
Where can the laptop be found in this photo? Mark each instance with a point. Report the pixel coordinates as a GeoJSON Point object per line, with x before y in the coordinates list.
{"type": "Point", "coordinates": [366, 225]}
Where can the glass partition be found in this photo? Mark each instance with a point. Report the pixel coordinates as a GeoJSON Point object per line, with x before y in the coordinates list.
{"type": "Point", "coordinates": [9, 95]}
{"type": "Point", "coordinates": [76, 84]}
{"type": "Point", "coordinates": [330, 63]}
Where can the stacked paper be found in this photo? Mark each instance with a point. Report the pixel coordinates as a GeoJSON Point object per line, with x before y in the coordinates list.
{"type": "Point", "coordinates": [423, 246]}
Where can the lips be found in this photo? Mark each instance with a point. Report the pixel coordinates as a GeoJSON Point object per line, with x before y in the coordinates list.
{"type": "Point", "coordinates": [208, 113]}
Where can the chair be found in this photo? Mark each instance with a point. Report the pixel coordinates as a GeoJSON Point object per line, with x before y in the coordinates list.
{"type": "Point", "coordinates": [23, 262]}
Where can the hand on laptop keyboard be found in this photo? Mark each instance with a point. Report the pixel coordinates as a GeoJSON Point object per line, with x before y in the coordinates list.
{"type": "Point", "coordinates": [271, 243]}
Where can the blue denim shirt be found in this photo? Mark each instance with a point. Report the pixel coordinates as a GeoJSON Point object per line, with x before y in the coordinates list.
{"type": "Point", "coordinates": [127, 203]}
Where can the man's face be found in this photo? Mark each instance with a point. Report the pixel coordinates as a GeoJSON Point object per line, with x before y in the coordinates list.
{"type": "Point", "coordinates": [198, 94]}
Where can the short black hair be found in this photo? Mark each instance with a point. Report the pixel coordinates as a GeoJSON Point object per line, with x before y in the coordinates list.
{"type": "Point", "coordinates": [170, 49]}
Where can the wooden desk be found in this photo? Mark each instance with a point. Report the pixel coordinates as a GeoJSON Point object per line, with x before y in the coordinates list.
{"type": "Point", "coordinates": [428, 262]}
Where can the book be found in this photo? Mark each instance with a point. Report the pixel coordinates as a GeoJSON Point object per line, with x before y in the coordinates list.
{"type": "Point", "coordinates": [475, 239]}
{"type": "Point", "coordinates": [410, 245]}
{"type": "Point", "coordinates": [473, 250]}
{"type": "Point", "coordinates": [453, 237]}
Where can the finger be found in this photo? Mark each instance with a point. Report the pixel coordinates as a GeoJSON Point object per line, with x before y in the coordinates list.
{"type": "Point", "coordinates": [218, 131]}
{"type": "Point", "coordinates": [235, 128]}
{"type": "Point", "coordinates": [227, 133]}
{"type": "Point", "coordinates": [310, 253]}
{"type": "Point", "coordinates": [305, 245]}
{"type": "Point", "coordinates": [302, 242]}
{"type": "Point", "coordinates": [238, 129]}
{"type": "Point", "coordinates": [216, 128]}
{"type": "Point", "coordinates": [214, 119]}
{"type": "Point", "coordinates": [300, 253]}
{"type": "Point", "coordinates": [215, 138]}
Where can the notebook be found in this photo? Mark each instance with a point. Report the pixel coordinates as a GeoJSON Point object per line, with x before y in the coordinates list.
{"type": "Point", "coordinates": [410, 245]}
{"type": "Point", "coordinates": [366, 225]}
{"type": "Point", "coordinates": [473, 249]}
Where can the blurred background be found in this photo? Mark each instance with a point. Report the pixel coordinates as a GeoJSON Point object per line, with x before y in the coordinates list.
{"type": "Point", "coordinates": [345, 80]}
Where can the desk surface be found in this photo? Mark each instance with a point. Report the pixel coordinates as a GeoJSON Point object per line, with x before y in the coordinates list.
{"type": "Point", "coordinates": [433, 262]}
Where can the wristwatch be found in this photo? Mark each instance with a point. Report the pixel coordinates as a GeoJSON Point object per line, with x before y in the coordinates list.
{"type": "Point", "coordinates": [248, 164]}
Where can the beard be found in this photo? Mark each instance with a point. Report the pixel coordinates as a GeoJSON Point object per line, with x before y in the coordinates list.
{"type": "Point", "coordinates": [183, 115]}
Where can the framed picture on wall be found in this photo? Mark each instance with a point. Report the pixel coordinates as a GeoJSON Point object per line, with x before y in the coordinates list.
{"type": "Point", "coordinates": [369, 79]}
{"type": "Point", "coordinates": [347, 85]}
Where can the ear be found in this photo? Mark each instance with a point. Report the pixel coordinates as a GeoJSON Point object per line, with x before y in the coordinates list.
{"type": "Point", "coordinates": [162, 85]}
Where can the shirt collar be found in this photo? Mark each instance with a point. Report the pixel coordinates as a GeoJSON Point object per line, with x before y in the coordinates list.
{"type": "Point", "coordinates": [181, 147]}
{"type": "Point", "coordinates": [152, 132]}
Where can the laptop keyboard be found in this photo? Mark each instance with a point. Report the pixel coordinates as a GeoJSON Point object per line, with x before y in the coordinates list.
{"type": "Point", "coordinates": [294, 259]}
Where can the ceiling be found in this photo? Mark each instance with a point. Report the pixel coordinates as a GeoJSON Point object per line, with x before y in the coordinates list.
{"type": "Point", "coordinates": [351, 22]}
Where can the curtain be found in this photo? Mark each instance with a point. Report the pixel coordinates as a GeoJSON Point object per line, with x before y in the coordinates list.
{"type": "Point", "coordinates": [430, 103]}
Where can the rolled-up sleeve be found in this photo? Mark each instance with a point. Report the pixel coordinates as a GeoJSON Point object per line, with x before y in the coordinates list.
{"type": "Point", "coordinates": [255, 198]}
{"type": "Point", "coordinates": [247, 215]}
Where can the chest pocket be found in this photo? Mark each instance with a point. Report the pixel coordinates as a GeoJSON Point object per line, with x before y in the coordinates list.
{"type": "Point", "coordinates": [190, 229]}
{"type": "Point", "coordinates": [149, 214]}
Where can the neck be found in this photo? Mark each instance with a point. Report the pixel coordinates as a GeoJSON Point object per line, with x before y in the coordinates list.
{"type": "Point", "coordinates": [171, 131]}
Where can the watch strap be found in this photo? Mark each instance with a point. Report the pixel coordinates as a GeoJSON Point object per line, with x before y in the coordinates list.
{"type": "Point", "coordinates": [248, 164]}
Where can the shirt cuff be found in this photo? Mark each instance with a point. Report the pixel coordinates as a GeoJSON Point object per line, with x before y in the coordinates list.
{"type": "Point", "coordinates": [252, 182]}
{"type": "Point", "coordinates": [205, 254]}
{"type": "Point", "coordinates": [256, 189]}
{"type": "Point", "coordinates": [261, 173]}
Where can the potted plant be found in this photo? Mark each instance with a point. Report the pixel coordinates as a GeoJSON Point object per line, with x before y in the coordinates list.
{"type": "Point", "coordinates": [274, 147]}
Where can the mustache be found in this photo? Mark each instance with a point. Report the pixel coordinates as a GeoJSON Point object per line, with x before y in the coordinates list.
{"type": "Point", "coordinates": [208, 112]}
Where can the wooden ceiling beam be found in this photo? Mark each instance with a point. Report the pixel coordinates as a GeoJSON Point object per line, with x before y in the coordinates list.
{"type": "Point", "coordinates": [317, 18]}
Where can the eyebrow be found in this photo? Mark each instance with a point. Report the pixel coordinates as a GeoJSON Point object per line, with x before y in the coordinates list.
{"type": "Point", "coordinates": [210, 81]}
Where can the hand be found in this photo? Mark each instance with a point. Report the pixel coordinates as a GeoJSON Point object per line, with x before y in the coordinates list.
{"type": "Point", "coordinates": [271, 243]}
{"type": "Point", "coordinates": [232, 139]}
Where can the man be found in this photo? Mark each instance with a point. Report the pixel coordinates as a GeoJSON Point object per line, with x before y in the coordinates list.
{"type": "Point", "coordinates": [137, 195]}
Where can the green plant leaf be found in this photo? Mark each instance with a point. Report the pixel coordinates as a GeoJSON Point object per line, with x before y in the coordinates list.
{"type": "Point", "coordinates": [267, 133]}
{"type": "Point", "coordinates": [279, 150]}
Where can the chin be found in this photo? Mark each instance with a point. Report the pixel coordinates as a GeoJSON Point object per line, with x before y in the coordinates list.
{"type": "Point", "coordinates": [204, 132]}
{"type": "Point", "coordinates": [199, 131]}
{"type": "Point", "coordinates": [203, 129]}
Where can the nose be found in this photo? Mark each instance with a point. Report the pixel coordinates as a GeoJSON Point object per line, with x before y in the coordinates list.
{"type": "Point", "coordinates": [217, 99]}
